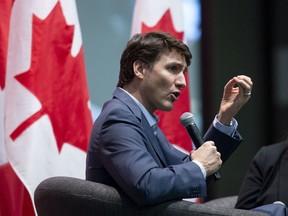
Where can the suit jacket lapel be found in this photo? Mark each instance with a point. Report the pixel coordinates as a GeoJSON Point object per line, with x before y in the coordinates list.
{"type": "Point", "coordinates": [153, 146]}
{"type": "Point", "coordinates": [154, 142]}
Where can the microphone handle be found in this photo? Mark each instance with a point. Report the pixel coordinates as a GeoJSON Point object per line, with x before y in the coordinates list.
{"type": "Point", "coordinates": [198, 141]}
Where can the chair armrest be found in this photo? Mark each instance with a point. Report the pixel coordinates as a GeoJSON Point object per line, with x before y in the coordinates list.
{"type": "Point", "coordinates": [228, 201]}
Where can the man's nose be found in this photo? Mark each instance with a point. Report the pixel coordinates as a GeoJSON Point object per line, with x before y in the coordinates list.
{"type": "Point", "coordinates": [181, 80]}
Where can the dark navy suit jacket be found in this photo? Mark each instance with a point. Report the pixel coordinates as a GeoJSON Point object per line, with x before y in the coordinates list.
{"type": "Point", "coordinates": [266, 180]}
{"type": "Point", "coordinates": [124, 152]}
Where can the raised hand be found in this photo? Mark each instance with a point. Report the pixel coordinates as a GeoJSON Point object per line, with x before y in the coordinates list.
{"type": "Point", "coordinates": [236, 93]}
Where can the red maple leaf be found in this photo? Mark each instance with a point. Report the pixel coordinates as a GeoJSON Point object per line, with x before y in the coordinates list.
{"type": "Point", "coordinates": [164, 24]}
{"type": "Point", "coordinates": [58, 80]}
{"type": "Point", "coordinates": [170, 123]}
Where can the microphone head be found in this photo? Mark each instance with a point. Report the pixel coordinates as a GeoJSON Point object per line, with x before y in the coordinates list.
{"type": "Point", "coordinates": [187, 118]}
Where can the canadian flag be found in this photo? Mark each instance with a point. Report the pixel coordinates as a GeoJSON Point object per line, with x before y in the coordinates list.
{"type": "Point", "coordinates": [151, 15]}
{"type": "Point", "coordinates": [45, 119]}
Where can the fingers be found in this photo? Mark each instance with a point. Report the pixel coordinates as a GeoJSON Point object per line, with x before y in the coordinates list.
{"type": "Point", "coordinates": [241, 85]}
{"type": "Point", "coordinates": [246, 78]}
{"type": "Point", "coordinates": [210, 143]}
{"type": "Point", "coordinates": [208, 156]}
{"type": "Point", "coordinates": [213, 148]}
{"type": "Point", "coordinates": [245, 85]}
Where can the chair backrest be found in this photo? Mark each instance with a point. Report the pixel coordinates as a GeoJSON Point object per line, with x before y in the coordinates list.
{"type": "Point", "coordinates": [71, 196]}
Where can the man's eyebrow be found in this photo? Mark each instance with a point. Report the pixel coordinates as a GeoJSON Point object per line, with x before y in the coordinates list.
{"type": "Point", "coordinates": [176, 64]}
{"type": "Point", "coordinates": [185, 68]}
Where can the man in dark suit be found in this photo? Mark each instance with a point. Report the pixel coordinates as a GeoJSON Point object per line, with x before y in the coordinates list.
{"type": "Point", "coordinates": [127, 149]}
{"type": "Point", "coordinates": [266, 180]}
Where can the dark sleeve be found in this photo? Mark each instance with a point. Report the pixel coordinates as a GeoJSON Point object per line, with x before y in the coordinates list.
{"type": "Point", "coordinates": [225, 144]}
{"type": "Point", "coordinates": [251, 187]}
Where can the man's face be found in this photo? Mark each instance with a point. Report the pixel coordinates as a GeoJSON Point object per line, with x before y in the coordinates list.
{"type": "Point", "coordinates": [162, 84]}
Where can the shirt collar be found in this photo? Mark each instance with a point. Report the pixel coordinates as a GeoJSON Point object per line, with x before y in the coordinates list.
{"type": "Point", "coordinates": [152, 119]}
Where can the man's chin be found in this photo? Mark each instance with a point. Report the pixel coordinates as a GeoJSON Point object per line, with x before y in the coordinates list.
{"type": "Point", "coordinates": [168, 108]}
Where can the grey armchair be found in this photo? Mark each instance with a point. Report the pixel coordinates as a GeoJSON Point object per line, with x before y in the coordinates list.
{"type": "Point", "coordinates": [71, 196]}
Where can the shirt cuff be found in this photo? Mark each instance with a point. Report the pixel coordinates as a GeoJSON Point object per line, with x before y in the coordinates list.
{"type": "Point", "coordinates": [201, 167]}
{"type": "Point", "coordinates": [227, 129]}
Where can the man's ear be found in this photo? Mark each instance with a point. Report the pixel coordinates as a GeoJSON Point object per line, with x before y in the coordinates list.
{"type": "Point", "coordinates": [138, 67]}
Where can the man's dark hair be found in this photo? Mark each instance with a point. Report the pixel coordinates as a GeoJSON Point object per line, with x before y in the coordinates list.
{"type": "Point", "coordinates": [148, 48]}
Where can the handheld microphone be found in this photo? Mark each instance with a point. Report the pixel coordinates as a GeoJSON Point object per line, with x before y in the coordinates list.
{"type": "Point", "coordinates": [187, 120]}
